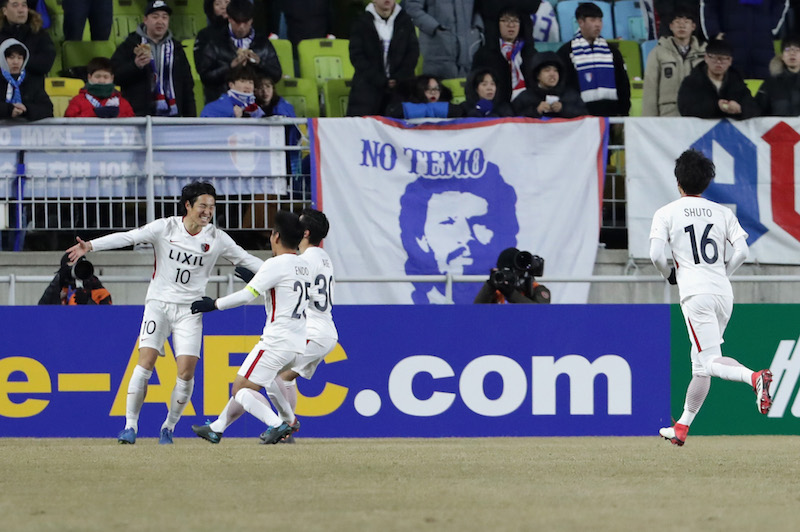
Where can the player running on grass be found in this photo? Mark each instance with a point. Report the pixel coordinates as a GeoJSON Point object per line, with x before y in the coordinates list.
{"type": "Point", "coordinates": [186, 250]}
{"type": "Point", "coordinates": [284, 280]}
{"type": "Point", "coordinates": [697, 230]}
{"type": "Point", "coordinates": [321, 334]}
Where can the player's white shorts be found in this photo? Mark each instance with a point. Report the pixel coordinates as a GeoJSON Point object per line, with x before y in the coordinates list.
{"type": "Point", "coordinates": [706, 317]}
{"type": "Point", "coordinates": [262, 364]}
{"type": "Point", "coordinates": [162, 319]}
{"type": "Point", "coordinates": [316, 350]}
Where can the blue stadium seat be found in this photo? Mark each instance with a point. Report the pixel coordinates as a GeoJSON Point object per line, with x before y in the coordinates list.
{"type": "Point", "coordinates": [548, 46]}
{"type": "Point", "coordinates": [565, 10]}
{"type": "Point", "coordinates": [647, 47]}
{"type": "Point", "coordinates": [628, 22]}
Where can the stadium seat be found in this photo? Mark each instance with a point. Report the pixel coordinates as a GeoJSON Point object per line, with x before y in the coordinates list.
{"type": "Point", "coordinates": [130, 7]}
{"type": "Point", "coordinates": [632, 55]}
{"type": "Point", "coordinates": [302, 94]}
{"type": "Point", "coordinates": [187, 7]}
{"type": "Point", "coordinates": [61, 91]}
{"type": "Point", "coordinates": [628, 21]}
{"type": "Point", "coordinates": [122, 26]}
{"type": "Point", "coordinates": [283, 47]}
{"type": "Point", "coordinates": [565, 10]}
{"type": "Point", "coordinates": [636, 99]}
{"type": "Point", "coordinates": [336, 93]}
{"type": "Point", "coordinates": [187, 26]}
{"type": "Point", "coordinates": [458, 87]}
{"type": "Point", "coordinates": [753, 85]}
{"type": "Point", "coordinates": [647, 47]}
{"type": "Point", "coordinates": [548, 46]}
{"type": "Point", "coordinates": [199, 97]}
{"type": "Point", "coordinates": [79, 53]}
{"type": "Point", "coordinates": [323, 59]}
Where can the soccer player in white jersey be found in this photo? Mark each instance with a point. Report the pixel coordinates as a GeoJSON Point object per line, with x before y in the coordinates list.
{"type": "Point", "coordinates": [186, 250]}
{"type": "Point", "coordinates": [283, 280]}
{"type": "Point", "coordinates": [697, 231]}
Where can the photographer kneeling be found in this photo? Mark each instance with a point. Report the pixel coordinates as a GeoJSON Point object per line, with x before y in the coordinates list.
{"type": "Point", "coordinates": [75, 284]}
{"type": "Point", "coordinates": [513, 281]}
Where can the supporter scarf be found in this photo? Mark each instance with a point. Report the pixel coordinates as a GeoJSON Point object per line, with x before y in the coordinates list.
{"type": "Point", "coordinates": [244, 42]}
{"type": "Point", "coordinates": [163, 88]}
{"type": "Point", "coordinates": [13, 95]}
{"type": "Point", "coordinates": [512, 54]}
{"type": "Point", "coordinates": [595, 67]}
{"type": "Point", "coordinates": [108, 108]}
{"type": "Point", "coordinates": [248, 101]}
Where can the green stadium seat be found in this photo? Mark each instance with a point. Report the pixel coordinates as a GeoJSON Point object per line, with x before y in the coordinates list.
{"type": "Point", "coordinates": [61, 91]}
{"type": "Point", "coordinates": [187, 7]}
{"type": "Point", "coordinates": [123, 26]}
{"type": "Point", "coordinates": [632, 55]}
{"type": "Point", "coordinates": [131, 7]}
{"type": "Point", "coordinates": [637, 88]}
{"type": "Point", "coordinates": [753, 85]}
{"type": "Point", "coordinates": [302, 94]}
{"type": "Point", "coordinates": [283, 47]}
{"type": "Point", "coordinates": [199, 97]}
{"type": "Point", "coordinates": [336, 93]}
{"type": "Point", "coordinates": [323, 59]}
{"type": "Point", "coordinates": [186, 26]}
{"type": "Point", "coordinates": [79, 53]}
{"type": "Point", "coordinates": [458, 88]}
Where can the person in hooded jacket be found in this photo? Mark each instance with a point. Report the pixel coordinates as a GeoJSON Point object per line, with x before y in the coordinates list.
{"type": "Point", "coordinates": [19, 22]}
{"type": "Point", "coordinates": [549, 97]}
{"type": "Point", "coordinates": [424, 97]}
{"type": "Point", "coordinates": [384, 50]}
{"type": "Point", "coordinates": [779, 95]}
{"type": "Point", "coordinates": [24, 100]}
{"type": "Point", "coordinates": [510, 55]}
{"type": "Point", "coordinates": [482, 98]}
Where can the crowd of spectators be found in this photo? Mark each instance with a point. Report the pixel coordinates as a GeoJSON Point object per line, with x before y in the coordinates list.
{"type": "Point", "coordinates": [700, 66]}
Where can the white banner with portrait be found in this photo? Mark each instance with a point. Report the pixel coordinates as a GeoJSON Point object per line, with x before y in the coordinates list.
{"type": "Point", "coordinates": [756, 176]}
{"type": "Point", "coordinates": [449, 197]}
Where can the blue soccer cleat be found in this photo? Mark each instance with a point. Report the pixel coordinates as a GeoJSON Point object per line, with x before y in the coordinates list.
{"type": "Point", "coordinates": [275, 434]}
{"type": "Point", "coordinates": [165, 438]}
{"type": "Point", "coordinates": [127, 436]}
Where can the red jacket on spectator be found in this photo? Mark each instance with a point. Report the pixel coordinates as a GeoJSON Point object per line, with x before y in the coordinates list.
{"type": "Point", "coordinates": [81, 107]}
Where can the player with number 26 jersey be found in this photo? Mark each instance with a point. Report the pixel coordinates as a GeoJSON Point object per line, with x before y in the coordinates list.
{"type": "Point", "coordinates": [698, 231]}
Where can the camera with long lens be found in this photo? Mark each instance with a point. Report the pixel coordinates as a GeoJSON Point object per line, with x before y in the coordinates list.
{"type": "Point", "coordinates": [82, 269]}
{"type": "Point", "coordinates": [520, 276]}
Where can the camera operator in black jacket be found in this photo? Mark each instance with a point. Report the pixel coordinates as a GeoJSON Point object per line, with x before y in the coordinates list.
{"type": "Point", "coordinates": [75, 284]}
{"type": "Point", "coordinates": [513, 281]}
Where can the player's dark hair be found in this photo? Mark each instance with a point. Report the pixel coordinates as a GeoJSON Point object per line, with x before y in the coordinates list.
{"type": "Point", "coordinates": [317, 225]}
{"type": "Point", "coordinates": [289, 228]}
{"type": "Point", "coordinates": [588, 9]}
{"type": "Point", "coordinates": [719, 47]}
{"type": "Point", "coordinates": [100, 63]}
{"type": "Point", "coordinates": [241, 10]}
{"type": "Point", "coordinates": [194, 190]}
{"type": "Point", "coordinates": [694, 172]}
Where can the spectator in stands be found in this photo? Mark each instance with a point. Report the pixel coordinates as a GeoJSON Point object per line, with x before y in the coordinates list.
{"type": "Point", "coordinates": [750, 27]}
{"type": "Point", "coordinates": [779, 95]}
{"type": "Point", "coordinates": [152, 68]}
{"type": "Point", "coordinates": [307, 19]}
{"type": "Point", "coordinates": [216, 12]}
{"type": "Point", "coordinates": [490, 12]}
{"type": "Point", "coordinates": [549, 97]}
{"type": "Point", "coordinates": [273, 104]}
{"type": "Point", "coordinates": [450, 32]}
{"type": "Point", "coordinates": [714, 89]}
{"type": "Point", "coordinates": [383, 49]}
{"type": "Point", "coordinates": [595, 69]}
{"type": "Point", "coordinates": [665, 13]}
{"type": "Point", "coordinates": [482, 98]}
{"type": "Point", "coordinates": [240, 100]}
{"type": "Point", "coordinates": [233, 45]}
{"type": "Point", "coordinates": [25, 25]}
{"type": "Point", "coordinates": [668, 65]}
{"type": "Point", "coordinates": [99, 13]}
{"type": "Point", "coordinates": [510, 55]}
{"type": "Point", "coordinates": [424, 97]}
{"type": "Point", "coordinates": [23, 100]}
{"type": "Point", "coordinates": [99, 98]}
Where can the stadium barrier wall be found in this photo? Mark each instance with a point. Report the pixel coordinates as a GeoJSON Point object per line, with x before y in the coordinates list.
{"type": "Point", "coordinates": [399, 371]}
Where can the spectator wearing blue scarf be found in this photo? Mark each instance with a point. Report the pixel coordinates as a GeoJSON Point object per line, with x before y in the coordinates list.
{"type": "Point", "coordinates": [22, 100]}
{"type": "Point", "coordinates": [424, 97]}
{"type": "Point", "coordinates": [240, 100]}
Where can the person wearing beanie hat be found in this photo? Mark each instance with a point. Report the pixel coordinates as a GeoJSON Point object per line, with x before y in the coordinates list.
{"type": "Point", "coordinates": [669, 63]}
{"type": "Point", "coordinates": [715, 90]}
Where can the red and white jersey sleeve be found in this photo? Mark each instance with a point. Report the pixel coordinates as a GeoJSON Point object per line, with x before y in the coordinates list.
{"type": "Point", "coordinates": [183, 262]}
{"type": "Point", "coordinates": [320, 295]}
{"type": "Point", "coordinates": [698, 231]}
{"type": "Point", "coordinates": [283, 281]}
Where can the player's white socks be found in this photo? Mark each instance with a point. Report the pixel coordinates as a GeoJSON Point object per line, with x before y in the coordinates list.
{"type": "Point", "coordinates": [181, 394]}
{"type": "Point", "coordinates": [695, 396]}
{"type": "Point", "coordinates": [229, 414]}
{"type": "Point", "coordinates": [137, 390]}
{"type": "Point", "coordinates": [256, 404]}
{"type": "Point", "coordinates": [278, 397]}
{"type": "Point", "coordinates": [289, 389]}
